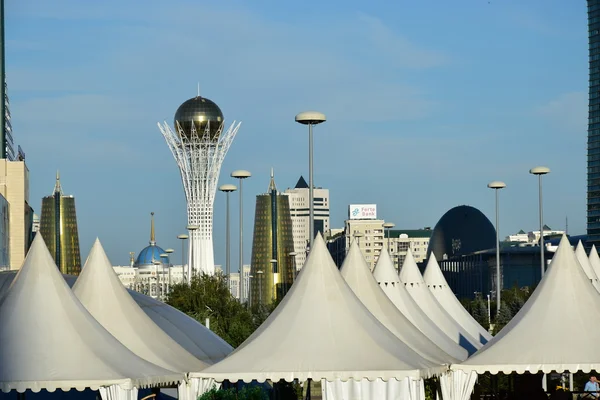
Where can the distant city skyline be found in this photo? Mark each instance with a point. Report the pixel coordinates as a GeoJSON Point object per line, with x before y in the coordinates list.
{"type": "Point", "coordinates": [423, 110]}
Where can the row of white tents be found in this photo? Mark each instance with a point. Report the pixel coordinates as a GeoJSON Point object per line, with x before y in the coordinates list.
{"type": "Point", "coordinates": [363, 335]}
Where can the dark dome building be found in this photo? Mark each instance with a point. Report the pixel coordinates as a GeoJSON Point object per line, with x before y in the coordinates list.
{"type": "Point", "coordinates": [462, 230]}
{"type": "Point", "coordinates": [199, 112]}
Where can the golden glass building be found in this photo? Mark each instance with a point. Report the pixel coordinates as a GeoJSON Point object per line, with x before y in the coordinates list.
{"type": "Point", "coordinates": [272, 248]}
{"type": "Point", "coordinates": [58, 227]}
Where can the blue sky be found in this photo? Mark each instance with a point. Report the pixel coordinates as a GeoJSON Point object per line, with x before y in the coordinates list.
{"type": "Point", "coordinates": [426, 103]}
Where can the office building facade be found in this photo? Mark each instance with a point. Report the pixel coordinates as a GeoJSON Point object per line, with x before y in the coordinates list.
{"type": "Point", "coordinates": [58, 227]}
{"type": "Point", "coordinates": [299, 210]}
{"type": "Point", "coordinates": [593, 142]}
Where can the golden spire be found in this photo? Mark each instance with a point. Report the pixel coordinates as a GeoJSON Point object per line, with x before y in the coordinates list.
{"type": "Point", "coordinates": [272, 186]}
{"type": "Point", "coordinates": [152, 238]}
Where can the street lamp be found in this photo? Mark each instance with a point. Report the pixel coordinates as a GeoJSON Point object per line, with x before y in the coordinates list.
{"type": "Point", "coordinates": [227, 189]}
{"type": "Point", "coordinates": [183, 237]}
{"type": "Point", "coordinates": [169, 252]}
{"type": "Point", "coordinates": [241, 175]}
{"type": "Point", "coordinates": [497, 185]}
{"type": "Point", "coordinates": [157, 263]}
{"type": "Point", "coordinates": [191, 229]}
{"type": "Point", "coordinates": [388, 226]}
{"type": "Point", "coordinates": [539, 171]}
{"type": "Point", "coordinates": [310, 118]}
{"type": "Point", "coordinates": [293, 254]}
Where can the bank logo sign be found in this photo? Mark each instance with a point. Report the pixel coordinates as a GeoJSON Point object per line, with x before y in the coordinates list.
{"type": "Point", "coordinates": [362, 211]}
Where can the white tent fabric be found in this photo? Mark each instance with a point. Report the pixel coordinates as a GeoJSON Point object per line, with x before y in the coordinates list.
{"type": "Point", "coordinates": [101, 292]}
{"type": "Point", "coordinates": [320, 330]}
{"type": "Point", "coordinates": [458, 385]}
{"type": "Point", "coordinates": [405, 389]}
{"type": "Point", "coordinates": [413, 281]}
{"type": "Point", "coordinates": [438, 286]}
{"type": "Point", "coordinates": [389, 282]}
{"type": "Point", "coordinates": [104, 296]}
{"type": "Point", "coordinates": [556, 330]}
{"type": "Point", "coordinates": [50, 341]}
{"type": "Point", "coordinates": [358, 276]}
{"type": "Point", "coordinates": [189, 333]}
{"type": "Point", "coordinates": [595, 261]}
{"type": "Point", "coordinates": [115, 392]}
{"type": "Point", "coordinates": [585, 264]}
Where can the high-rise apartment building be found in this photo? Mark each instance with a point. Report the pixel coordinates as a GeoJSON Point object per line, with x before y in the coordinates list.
{"type": "Point", "coordinates": [593, 142]}
{"type": "Point", "coordinates": [58, 227]}
{"type": "Point", "coordinates": [14, 187]}
{"type": "Point", "coordinates": [272, 262]}
{"type": "Point", "coordinates": [299, 210]}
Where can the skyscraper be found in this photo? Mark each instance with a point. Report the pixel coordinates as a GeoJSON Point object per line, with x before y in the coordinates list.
{"type": "Point", "coordinates": [199, 143]}
{"type": "Point", "coordinates": [299, 210]}
{"type": "Point", "coordinates": [272, 265]}
{"type": "Point", "coordinates": [593, 145]}
{"type": "Point", "coordinates": [58, 227]}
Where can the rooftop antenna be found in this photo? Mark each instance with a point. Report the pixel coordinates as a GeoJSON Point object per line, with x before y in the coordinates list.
{"type": "Point", "coordinates": [198, 89]}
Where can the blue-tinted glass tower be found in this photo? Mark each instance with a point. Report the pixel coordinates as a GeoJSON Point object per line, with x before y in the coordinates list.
{"type": "Point", "coordinates": [593, 158]}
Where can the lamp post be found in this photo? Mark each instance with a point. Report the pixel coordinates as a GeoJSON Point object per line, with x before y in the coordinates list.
{"type": "Point", "coordinates": [227, 189]}
{"type": "Point", "coordinates": [183, 237]}
{"type": "Point", "coordinates": [169, 265]}
{"type": "Point", "coordinates": [388, 226]}
{"type": "Point", "coordinates": [539, 171]}
{"type": "Point", "coordinates": [191, 229]}
{"type": "Point", "coordinates": [241, 175]}
{"type": "Point", "coordinates": [497, 185]}
{"type": "Point", "coordinates": [157, 287]}
{"type": "Point", "coordinates": [162, 272]}
{"type": "Point", "coordinates": [310, 118]}
{"type": "Point", "coordinates": [293, 254]}
{"type": "Point", "coordinates": [489, 311]}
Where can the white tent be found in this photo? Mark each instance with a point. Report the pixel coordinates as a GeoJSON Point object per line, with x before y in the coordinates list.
{"type": "Point", "coordinates": [553, 331]}
{"type": "Point", "coordinates": [441, 291]}
{"type": "Point", "coordinates": [595, 260]}
{"type": "Point", "coordinates": [389, 282]}
{"type": "Point", "coordinates": [104, 296]}
{"type": "Point", "coordinates": [321, 330]}
{"type": "Point", "coordinates": [50, 341]}
{"type": "Point", "coordinates": [358, 276]}
{"type": "Point", "coordinates": [586, 265]}
{"type": "Point", "coordinates": [189, 333]}
{"type": "Point", "coordinates": [413, 281]}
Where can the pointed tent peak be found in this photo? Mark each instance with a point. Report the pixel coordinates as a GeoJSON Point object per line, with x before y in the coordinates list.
{"type": "Point", "coordinates": [272, 186]}
{"type": "Point", "coordinates": [301, 184]}
{"type": "Point", "coordinates": [384, 270]}
{"type": "Point", "coordinates": [410, 274]}
{"type": "Point", "coordinates": [595, 260]}
{"type": "Point", "coordinates": [433, 275]}
{"type": "Point", "coordinates": [353, 259]}
{"type": "Point", "coordinates": [152, 233]}
{"type": "Point", "coordinates": [57, 187]}
{"type": "Point", "coordinates": [584, 261]}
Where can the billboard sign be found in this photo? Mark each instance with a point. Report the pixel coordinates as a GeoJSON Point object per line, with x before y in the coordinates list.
{"type": "Point", "coordinates": [362, 211]}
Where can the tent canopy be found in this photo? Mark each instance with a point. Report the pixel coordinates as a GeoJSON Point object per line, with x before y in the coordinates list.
{"type": "Point", "coordinates": [385, 274]}
{"type": "Point", "coordinates": [438, 286]}
{"type": "Point", "coordinates": [556, 330]}
{"type": "Point", "coordinates": [320, 330]}
{"type": "Point", "coordinates": [595, 260]}
{"type": "Point", "coordinates": [358, 276]}
{"type": "Point", "coordinates": [584, 261]}
{"type": "Point", "coordinates": [413, 281]}
{"type": "Point", "coordinates": [104, 296]}
{"type": "Point", "coordinates": [50, 341]}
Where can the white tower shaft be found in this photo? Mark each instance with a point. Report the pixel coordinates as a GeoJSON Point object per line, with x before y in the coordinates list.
{"type": "Point", "coordinates": [199, 159]}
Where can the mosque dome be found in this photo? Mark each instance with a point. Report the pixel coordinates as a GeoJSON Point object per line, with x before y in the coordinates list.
{"type": "Point", "coordinates": [199, 113]}
{"type": "Point", "coordinates": [150, 254]}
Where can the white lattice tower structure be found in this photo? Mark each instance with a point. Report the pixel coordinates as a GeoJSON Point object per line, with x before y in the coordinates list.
{"type": "Point", "coordinates": [199, 157]}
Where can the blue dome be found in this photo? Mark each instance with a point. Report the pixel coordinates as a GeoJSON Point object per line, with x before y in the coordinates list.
{"type": "Point", "coordinates": [149, 255]}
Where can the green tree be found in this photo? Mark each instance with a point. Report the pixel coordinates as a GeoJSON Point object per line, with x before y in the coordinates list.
{"type": "Point", "coordinates": [480, 313]}
{"type": "Point", "coordinates": [209, 297]}
{"type": "Point", "coordinates": [503, 317]}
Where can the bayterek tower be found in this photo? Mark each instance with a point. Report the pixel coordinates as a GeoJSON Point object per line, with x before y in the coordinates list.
{"type": "Point", "coordinates": [199, 142]}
